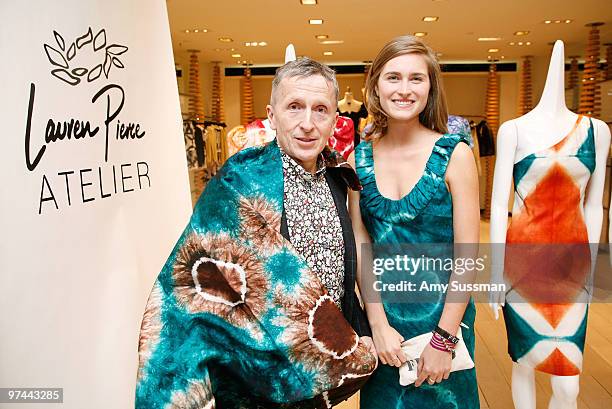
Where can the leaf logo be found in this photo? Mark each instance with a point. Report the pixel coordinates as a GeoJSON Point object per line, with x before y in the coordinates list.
{"type": "Point", "coordinates": [67, 70]}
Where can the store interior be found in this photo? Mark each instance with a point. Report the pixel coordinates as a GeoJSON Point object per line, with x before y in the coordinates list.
{"type": "Point", "coordinates": [494, 56]}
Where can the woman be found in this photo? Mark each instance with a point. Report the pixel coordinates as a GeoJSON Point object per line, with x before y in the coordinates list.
{"type": "Point", "coordinates": [420, 185]}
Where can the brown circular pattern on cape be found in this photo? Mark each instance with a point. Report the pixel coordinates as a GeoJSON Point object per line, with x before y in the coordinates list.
{"type": "Point", "coordinates": [219, 288]}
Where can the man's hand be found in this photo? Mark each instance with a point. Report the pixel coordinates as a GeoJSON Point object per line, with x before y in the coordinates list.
{"type": "Point", "coordinates": [370, 344]}
{"type": "Point", "coordinates": [434, 366]}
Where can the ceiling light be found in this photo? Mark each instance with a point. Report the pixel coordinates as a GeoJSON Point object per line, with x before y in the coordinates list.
{"type": "Point", "coordinates": [528, 43]}
{"type": "Point", "coordinates": [521, 33]}
{"type": "Point", "coordinates": [332, 42]}
{"type": "Point", "coordinates": [225, 39]}
{"type": "Point", "coordinates": [512, 43]}
{"type": "Point", "coordinates": [430, 19]}
{"type": "Point", "coordinates": [420, 34]}
{"type": "Point", "coordinates": [315, 21]}
{"type": "Point", "coordinates": [502, 57]}
{"type": "Point", "coordinates": [557, 21]}
{"type": "Point", "coordinates": [236, 56]}
{"type": "Point", "coordinates": [520, 43]}
{"type": "Point", "coordinates": [263, 44]}
{"type": "Point", "coordinates": [247, 44]}
{"type": "Point", "coordinates": [321, 36]}
{"type": "Point", "coordinates": [253, 43]}
{"type": "Point", "coordinates": [232, 49]}
{"type": "Point", "coordinates": [489, 38]}
{"type": "Point", "coordinates": [204, 30]}
{"type": "Point", "coordinates": [187, 31]}
{"type": "Point", "coordinates": [547, 21]}
{"type": "Point", "coordinates": [493, 50]}
{"type": "Point", "coordinates": [196, 31]}
{"type": "Point", "coordinates": [328, 53]}
{"type": "Point", "coordinates": [568, 21]}
{"type": "Point", "coordinates": [308, 2]}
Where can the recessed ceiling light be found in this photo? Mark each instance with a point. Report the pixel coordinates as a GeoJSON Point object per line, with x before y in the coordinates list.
{"type": "Point", "coordinates": [236, 56]}
{"type": "Point", "coordinates": [512, 43]}
{"type": "Point", "coordinates": [489, 38]}
{"type": "Point", "coordinates": [315, 21]}
{"type": "Point", "coordinates": [308, 2]}
{"type": "Point", "coordinates": [420, 34]}
{"type": "Point", "coordinates": [430, 19]}
{"type": "Point", "coordinates": [528, 43]}
{"type": "Point", "coordinates": [568, 21]}
{"type": "Point", "coordinates": [225, 39]}
{"type": "Point", "coordinates": [204, 30]}
{"type": "Point", "coordinates": [232, 49]}
{"type": "Point", "coordinates": [557, 21]}
{"type": "Point", "coordinates": [521, 33]}
{"type": "Point", "coordinates": [547, 21]}
{"type": "Point", "coordinates": [502, 57]}
{"type": "Point", "coordinates": [253, 43]}
{"type": "Point", "coordinates": [247, 44]}
{"type": "Point", "coordinates": [196, 31]}
{"type": "Point", "coordinates": [263, 44]}
{"type": "Point", "coordinates": [321, 36]}
{"type": "Point", "coordinates": [493, 50]}
{"type": "Point", "coordinates": [520, 43]}
{"type": "Point", "coordinates": [328, 53]}
{"type": "Point", "coordinates": [332, 42]}
{"type": "Point", "coordinates": [187, 31]}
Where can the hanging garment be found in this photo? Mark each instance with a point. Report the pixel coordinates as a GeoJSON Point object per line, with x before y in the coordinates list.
{"type": "Point", "coordinates": [190, 144]}
{"type": "Point", "coordinates": [460, 125]}
{"type": "Point", "coordinates": [356, 117]}
{"type": "Point", "coordinates": [424, 215]}
{"type": "Point", "coordinates": [343, 138]}
{"type": "Point", "coordinates": [236, 319]}
{"type": "Point", "coordinates": [547, 261]}
{"type": "Point", "coordinates": [485, 139]}
{"type": "Point", "coordinates": [198, 138]}
{"type": "Point", "coordinates": [257, 133]}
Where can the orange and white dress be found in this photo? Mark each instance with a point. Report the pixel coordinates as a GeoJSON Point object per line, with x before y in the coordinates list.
{"type": "Point", "coordinates": [548, 261]}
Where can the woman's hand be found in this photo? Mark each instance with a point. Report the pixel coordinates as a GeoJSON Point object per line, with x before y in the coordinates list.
{"type": "Point", "coordinates": [434, 366]}
{"type": "Point", "coordinates": [387, 342]}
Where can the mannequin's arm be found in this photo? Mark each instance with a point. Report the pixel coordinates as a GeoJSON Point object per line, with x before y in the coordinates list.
{"type": "Point", "coordinates": [593, 201]}
{"type": "Point", "coordinates": [502, 182]}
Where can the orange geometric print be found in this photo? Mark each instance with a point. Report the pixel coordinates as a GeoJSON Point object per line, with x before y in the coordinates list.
{"type": "Point", "coordinates": [557, 364]}
{"type": "Point", "coordinates": [553, 313]}
{"type": "Point", "coordinates": [551, 213]}
{"type": "Point", "coordinates": [547, 253]}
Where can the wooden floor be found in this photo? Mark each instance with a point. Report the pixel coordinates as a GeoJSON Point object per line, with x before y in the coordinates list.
{"type": "Point", "coordinates": [494, 367]}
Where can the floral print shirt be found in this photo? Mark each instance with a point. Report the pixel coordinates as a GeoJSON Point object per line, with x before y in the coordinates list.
{"type": "Point", "coordinates": [314, 225]}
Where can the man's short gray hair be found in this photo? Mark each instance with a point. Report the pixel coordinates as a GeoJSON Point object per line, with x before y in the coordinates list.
{"type": "Point", "coordinates": [304, 67]}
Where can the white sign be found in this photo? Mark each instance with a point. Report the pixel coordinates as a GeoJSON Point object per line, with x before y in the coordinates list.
{"type": "Point", "coordinates": [94, 190]}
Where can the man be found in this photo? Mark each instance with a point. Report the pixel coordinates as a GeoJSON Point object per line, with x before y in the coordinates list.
{"type": "Point", "coordinates": [248, 310]}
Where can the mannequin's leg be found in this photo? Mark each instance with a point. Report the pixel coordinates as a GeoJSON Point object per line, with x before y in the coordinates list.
{"type": "Point", "coordinates": [564, 392]}
{"type": "Point", "coordinates": [523, 387]}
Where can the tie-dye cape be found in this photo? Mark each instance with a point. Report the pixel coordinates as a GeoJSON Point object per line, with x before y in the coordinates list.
{"type": "Point", "coordinates": [236, 319]}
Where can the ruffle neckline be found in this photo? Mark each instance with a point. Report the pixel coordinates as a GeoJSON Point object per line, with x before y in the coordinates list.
{"type": "Point", "coordinates": [409, 206]}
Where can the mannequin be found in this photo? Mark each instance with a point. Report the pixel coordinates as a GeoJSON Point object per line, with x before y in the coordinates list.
{"type": "Point", "coordinates": [354, 109]}
{"type": "Point", "coordinates": [539, 142]}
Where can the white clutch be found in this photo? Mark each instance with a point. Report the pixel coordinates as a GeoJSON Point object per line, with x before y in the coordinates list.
{"type": "Point", "coordinates": [413, 348]}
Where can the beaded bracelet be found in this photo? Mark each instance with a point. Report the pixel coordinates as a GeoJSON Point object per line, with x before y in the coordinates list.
{"type": "Point", "coordinates": [440, 344]}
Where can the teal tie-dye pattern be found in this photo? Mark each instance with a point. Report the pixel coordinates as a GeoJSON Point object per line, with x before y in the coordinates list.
{"type": "Point", "coordinates": [424, 215]}
{"type": "Point", "coordinates": [236, 319]}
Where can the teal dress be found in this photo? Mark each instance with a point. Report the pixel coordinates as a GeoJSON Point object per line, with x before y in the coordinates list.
{"type": "Point", "coordinates": [422, 216]}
